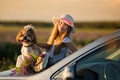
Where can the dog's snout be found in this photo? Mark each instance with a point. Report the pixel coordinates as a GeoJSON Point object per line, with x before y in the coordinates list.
{"type": "Point", "coordinates": [25, 37]}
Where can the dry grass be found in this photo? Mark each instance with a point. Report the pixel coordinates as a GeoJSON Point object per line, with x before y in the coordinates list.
{"type": "Point", "coordinates": [8, 33]}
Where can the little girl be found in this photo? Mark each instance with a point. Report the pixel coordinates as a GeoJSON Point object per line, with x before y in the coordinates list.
{"type": "Point", "coordinates": [59, 41]}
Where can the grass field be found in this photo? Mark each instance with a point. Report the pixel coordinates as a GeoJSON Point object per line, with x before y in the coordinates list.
{"type": "Point", "coordinates": [8, 33]}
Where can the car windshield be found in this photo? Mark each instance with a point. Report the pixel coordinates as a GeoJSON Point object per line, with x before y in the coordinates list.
{"type": "Point", "coordinates": [110, 51]}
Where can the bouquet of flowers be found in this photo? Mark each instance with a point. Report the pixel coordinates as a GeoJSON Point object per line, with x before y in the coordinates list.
{"type": "Point", "coordinates": [27, 66]}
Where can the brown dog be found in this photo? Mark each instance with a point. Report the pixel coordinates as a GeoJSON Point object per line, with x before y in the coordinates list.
{"type": "Point", "coordinates": [28, 40]}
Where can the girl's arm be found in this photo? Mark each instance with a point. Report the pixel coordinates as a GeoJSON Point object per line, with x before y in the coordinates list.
{"type": "Point", "coordinates": [44, 45]}
{"type": "Point", "coordinates": [71, 47]}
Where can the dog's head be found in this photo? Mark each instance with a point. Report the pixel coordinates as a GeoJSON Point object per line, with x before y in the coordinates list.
{"type": "Point", "coordinates": [26, 36]}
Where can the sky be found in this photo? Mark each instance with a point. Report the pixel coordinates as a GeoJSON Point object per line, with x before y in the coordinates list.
{"type": "Point", "coordinates": [45, 10]}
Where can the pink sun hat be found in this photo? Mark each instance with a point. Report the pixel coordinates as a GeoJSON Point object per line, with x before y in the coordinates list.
{"type": "Point", "coordinates": [67, 19]}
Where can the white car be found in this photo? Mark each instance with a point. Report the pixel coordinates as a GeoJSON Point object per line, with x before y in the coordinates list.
{"type": "Point", "coordinates": [99, 60]}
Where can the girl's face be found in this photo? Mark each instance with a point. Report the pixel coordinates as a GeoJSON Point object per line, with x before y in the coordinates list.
{"type": "Point", "coordinates": [62, 26]}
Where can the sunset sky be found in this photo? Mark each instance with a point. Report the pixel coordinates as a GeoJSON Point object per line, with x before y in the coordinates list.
{"type": "Point", "coordinates": [44, 10]}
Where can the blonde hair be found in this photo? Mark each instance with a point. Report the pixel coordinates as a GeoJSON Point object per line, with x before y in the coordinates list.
{"type": "Point", "coordinates": [55, 36]}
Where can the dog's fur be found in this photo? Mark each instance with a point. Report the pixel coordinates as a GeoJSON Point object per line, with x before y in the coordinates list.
{"type": "Point", "coordinates": [28, 39]}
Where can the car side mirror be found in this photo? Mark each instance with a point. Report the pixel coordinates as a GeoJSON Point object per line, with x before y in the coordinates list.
{"type": "Point", "coordinates": [68, 73]}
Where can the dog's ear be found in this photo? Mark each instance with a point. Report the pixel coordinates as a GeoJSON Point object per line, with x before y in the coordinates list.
{"type": "Point", "coordinates": [30, 29]}
{"type": "Point", "coordinates": [17, 37]}
{"type": "Point", "coordinates": [32, 32]}
{"type": "Point", "coordinates": [34, 38]}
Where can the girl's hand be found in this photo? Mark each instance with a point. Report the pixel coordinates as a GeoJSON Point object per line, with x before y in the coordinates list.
{"type": "Point", "coordinates": [56, 21]}
{"type": "Point", "coordinates": [39, 60]}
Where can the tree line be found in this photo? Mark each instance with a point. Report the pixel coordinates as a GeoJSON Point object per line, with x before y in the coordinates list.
{"type": "Point", "coordinates": [109, 25]}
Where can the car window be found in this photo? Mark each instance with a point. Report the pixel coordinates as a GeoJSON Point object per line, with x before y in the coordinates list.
{"type": "Point", "coordinates": [105, 52]}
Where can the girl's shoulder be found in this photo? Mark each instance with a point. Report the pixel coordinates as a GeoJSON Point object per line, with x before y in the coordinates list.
{"type": "Point", "coordinates": [66, 40]}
